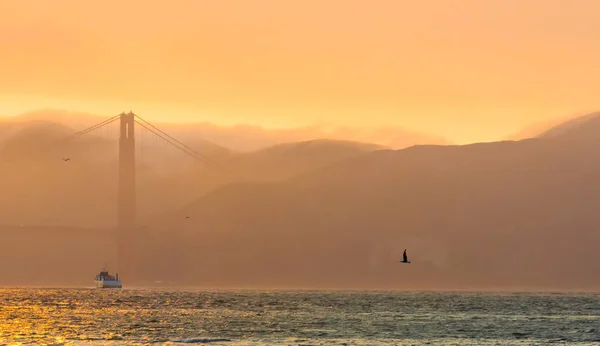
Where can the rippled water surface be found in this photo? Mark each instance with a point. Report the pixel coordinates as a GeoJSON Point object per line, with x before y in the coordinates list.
{"type": "Point", "coordinates": [133, 317]}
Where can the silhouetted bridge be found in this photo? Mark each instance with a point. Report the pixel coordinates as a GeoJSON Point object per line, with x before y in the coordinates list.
{"type": "Point", "coordinates": [126, 198]}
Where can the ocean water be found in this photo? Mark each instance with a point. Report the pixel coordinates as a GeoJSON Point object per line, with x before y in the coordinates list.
{"type": "Point", "coordinates": [151, 317]}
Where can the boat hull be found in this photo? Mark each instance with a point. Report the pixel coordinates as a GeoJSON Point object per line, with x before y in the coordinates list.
{"type": "Point", "coordinates": [108, 284]}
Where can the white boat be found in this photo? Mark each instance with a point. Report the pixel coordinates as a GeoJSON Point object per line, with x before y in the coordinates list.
{"type": "Point", "coordinates": [104, 280]}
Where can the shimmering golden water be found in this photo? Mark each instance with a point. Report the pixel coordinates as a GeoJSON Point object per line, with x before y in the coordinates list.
{"type": "Point", "coordinates": [134, 317]}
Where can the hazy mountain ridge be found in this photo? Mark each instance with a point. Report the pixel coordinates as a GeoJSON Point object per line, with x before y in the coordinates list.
{"type": "Point", "coordinates": [247, 137]}
{"type": "Point", "coordinates": [284, 161]}
{"type": "Point", "coordinates": [500, 214]}
{"type": "Point", "coordinates": [553, 127]}
{"type": "Point", "coordinates": [167, 178]}
{"type": "Point", "coordinates": [585, 127]}
{"type": "Point", "coordinates": [470, 215]}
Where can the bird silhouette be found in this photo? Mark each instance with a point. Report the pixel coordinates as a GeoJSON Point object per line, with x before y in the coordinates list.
{"type": "Point", "coordinates": [66, 159]}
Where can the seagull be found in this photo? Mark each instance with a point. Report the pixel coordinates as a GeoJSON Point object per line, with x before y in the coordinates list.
{"type": "Point", "coordinates": [66, 159]}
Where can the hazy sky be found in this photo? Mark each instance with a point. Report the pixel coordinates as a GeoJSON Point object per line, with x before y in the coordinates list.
{"type": "Point", "coordinates": [470, 70]}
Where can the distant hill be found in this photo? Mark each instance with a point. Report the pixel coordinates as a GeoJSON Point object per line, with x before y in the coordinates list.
{"type": "Point", "coordinates": [167, 178]}
{"type": "Point", "coordinates": [326, 213]}
{"type": "Point", "coordinates": [392, 137]}
{"type": "Point", "coordinates": [273, 164]}
{"type": "Point", "coordinates": [505, 214]}
{"type": "Point", "coordinates": [286, 160]}
{"type": "Point", "coordinates": [553, 127]}
{"type": "Point", "coordinates": [583, 127]}
{"type": "Point", "coordinates": [40, 188]}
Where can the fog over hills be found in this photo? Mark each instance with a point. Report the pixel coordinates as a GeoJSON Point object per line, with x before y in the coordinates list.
{"type": "Point", "coordinates": [32, 149]}
{"type": "Point", "coordinates": [245, 137]}
{"type": "Point", "coordinates": [284, 161]}
{"type": "Point", "coordinates": [325, 213]}
{"type": "Point", "coordinates": [505, 214]}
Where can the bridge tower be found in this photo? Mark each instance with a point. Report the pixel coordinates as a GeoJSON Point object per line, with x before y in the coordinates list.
{"type": "Point", "coordinates": [126, 204]}
{"type": "Point", "coordinates": [127, 200]}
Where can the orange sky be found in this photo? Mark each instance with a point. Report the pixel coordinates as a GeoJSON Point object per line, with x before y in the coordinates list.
{"type": "Point", "coordinates": [470, 70]}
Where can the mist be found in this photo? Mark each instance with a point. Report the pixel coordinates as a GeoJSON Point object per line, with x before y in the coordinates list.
{"type": "Point", "coordinates": [329, 212]}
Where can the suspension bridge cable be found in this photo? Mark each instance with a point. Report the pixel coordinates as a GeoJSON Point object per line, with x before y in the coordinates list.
{"type": "Point", "coordinates": [183, 149]}
{"type": "Point", "coordinates": [162, 135]}
{"type": "Point", "coordinates": [200, 158]}
{"type": "Point", "coordinates": [91, 128]}
{"type": "Point", "coordinates": [191, 153]}
{"type": "Point", "coordinates": [174, 139]}
{"type": "Point", "coordinates": [77, 134]}
{"type": "Point", "coordinates": [180, 143]}
{"type": "Point", "coordinates": [97, 126]}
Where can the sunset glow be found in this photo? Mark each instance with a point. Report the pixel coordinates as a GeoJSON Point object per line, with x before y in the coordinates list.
{"type": "Point", "coordinates": [468, 70]}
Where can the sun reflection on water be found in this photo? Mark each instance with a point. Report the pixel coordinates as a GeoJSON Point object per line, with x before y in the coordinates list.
{"type": "Point", "coordinates": [93, 317]}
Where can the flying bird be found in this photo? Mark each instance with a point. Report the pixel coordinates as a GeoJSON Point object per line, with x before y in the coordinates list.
{"type": "Point", "coordinates": [66, 159]}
